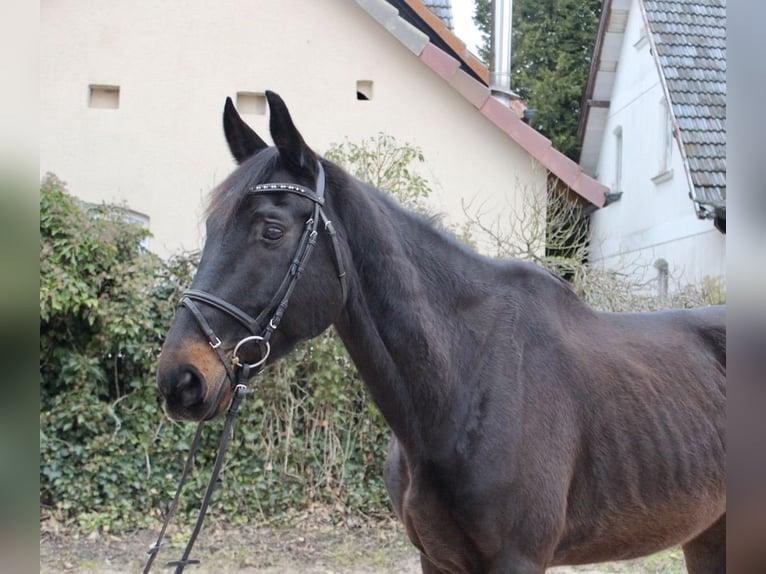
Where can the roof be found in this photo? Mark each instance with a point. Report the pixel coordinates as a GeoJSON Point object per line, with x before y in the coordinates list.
{"type": "Point", "coordinates": [442, 9]}
{"type": "Point", "coordinates": [427, 17]}
{"type": "Point", "coordinates": [689, 38]}
{"type": "Point", "coordinates": [601, 78]}
{"type": "Point", "coordinates": [428, 38]}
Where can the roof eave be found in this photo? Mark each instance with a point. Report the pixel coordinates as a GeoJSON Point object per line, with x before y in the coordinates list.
{"type": "Point", "coordinates": [594, 64]}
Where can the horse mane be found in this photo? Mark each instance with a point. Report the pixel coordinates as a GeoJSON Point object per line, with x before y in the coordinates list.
{"type": "Point", "coordinates": [226, 198]}
{"type": "Point", "coordinates": [431, 228]}
{"type": "Point", "coordinates": [228, 195]}
{"type": "Point", "coordinates": [429, 223]}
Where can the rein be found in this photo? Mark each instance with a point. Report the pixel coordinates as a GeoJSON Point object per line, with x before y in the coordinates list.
{"type": "Point", "coordinates": [261, 329]}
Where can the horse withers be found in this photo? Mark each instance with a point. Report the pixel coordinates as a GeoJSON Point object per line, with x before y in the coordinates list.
{"type": "Point", "coordinates": [529, 430]}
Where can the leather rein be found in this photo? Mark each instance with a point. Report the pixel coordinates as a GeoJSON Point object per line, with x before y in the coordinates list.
{"type": "Point", "coordinates": [261, 329]}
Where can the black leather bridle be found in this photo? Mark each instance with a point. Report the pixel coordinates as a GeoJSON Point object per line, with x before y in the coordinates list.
{"type": "Point", "coordinates": [261, 329]}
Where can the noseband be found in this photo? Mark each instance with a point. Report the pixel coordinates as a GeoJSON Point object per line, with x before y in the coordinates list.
{"type": "Point", "coordinates": [261, 329]}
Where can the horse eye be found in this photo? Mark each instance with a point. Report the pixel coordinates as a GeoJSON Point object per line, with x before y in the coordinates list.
{"type": "Point", "coordinates": [273, 233]}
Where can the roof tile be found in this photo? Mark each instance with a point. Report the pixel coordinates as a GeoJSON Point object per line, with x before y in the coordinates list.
{"type": "Point", "coordinates": [690, 38]}
{"type": "Point", "coordinates": [440, 61]}
{"type": "Point", "coordinates": [442, 9]}
{"type": "Point", "coordinates": [473, 90]}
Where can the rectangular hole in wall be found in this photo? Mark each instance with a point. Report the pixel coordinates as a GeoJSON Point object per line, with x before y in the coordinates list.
{"type": "Point", "coordinates": [251, 103]}
{"type": "Point", "coordinates": [364, 90]}
{"type": "Point", "coordinates": [104, 97]}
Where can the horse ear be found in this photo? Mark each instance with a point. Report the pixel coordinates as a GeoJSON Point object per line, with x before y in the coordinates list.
{"type": "Point", "coordinates": [292, 149]}
{"type": "Point", "coordinates": [243, 141]}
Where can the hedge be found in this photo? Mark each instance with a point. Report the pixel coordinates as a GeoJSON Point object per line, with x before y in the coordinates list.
{"type": "Point", "coordinates": [306, 435]}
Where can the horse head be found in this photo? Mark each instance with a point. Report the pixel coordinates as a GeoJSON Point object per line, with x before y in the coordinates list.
{"type": "Point", "coordinates": [268, 224]}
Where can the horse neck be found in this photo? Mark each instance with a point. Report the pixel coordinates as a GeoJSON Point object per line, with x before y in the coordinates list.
{"type": "Point", "coordinates": [413, 300]}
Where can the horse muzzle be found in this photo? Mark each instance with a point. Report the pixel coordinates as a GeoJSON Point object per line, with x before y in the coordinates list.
{"type": "Point", "coordinates": [193, 383]}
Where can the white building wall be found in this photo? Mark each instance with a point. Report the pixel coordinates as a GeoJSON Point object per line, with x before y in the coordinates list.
{"type": "Point", "coordinates": [654, 219]}
{"type": "Point", "coordinates": [163, 149]}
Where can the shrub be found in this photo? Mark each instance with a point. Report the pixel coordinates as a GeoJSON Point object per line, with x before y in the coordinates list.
{"type": "Point", "coordinates": [554, 233]}
{"type": "Point", "coordinates": [105, 303]}
{"type": "Point", "coordinates": [386, 164]}
{"type": "Point", "coordinates": [306, 437]}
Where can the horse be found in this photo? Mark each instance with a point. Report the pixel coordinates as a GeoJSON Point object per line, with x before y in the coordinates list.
{"type": "Point", "coordinates": [529, 430]}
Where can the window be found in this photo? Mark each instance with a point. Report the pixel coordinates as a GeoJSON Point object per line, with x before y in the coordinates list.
{"type": "Point", "coordinates": [617, 159]}
{"type": "Point", "coordinates": [665, 144]}
{"type": "Point", "coordinates": [251, 103]}
{"type": "Point", "coordinates": [666, 128]}
{"type": "Point", "coordinates": [137, 218]}
{"type": "Point", "coordinates": [643, 39]}
{"type": "Point", "coordinates": [104, 97]}
{"type": "Point", "coordinates": [364, 90]}
{"type": "Point", "coordinates": [121, 213]}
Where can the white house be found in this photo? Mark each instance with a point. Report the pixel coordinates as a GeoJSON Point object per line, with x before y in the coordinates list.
{"type": "Point", "coordinates": [132, 94]}
{"type": "Point", "coordinates": [653, 130]}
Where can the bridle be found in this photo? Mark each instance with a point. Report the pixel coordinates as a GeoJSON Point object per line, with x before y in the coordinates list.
{"type": "Point", "coordinates": [261, 329]}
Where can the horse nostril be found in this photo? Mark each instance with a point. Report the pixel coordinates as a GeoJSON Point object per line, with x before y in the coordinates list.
{"type": "Point", "coordinates": [191, 387]}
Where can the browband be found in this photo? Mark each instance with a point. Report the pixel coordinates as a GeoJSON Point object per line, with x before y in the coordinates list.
{"type": "Point", "coordinates": [315, 196]}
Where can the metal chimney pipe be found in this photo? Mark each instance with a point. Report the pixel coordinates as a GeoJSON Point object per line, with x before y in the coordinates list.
{"type": "Point", "coordinates": [500, 66]}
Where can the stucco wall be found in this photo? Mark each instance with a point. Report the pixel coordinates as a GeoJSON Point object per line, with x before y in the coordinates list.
{"type": "Point", "coordinates": [163, 149]}
{"type": "Point", "coordinates": [653, 219]}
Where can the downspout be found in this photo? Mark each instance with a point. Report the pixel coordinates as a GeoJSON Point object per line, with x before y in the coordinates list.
{"type": "Point", "coordinates": [500, 64]}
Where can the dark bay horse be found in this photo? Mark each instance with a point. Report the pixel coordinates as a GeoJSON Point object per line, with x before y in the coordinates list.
{"type": "Point", "coordinates": [530, 430]}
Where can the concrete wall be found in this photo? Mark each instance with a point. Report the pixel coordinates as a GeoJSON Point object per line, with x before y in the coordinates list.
{"type": "Point", "coordinates": [654, 219]}
{"type": "Point", "coordinates": [162, 150]}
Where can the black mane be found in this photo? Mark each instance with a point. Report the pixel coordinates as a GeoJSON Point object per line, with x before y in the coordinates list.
{"type": "Point", "coordinates": [226, 198]}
